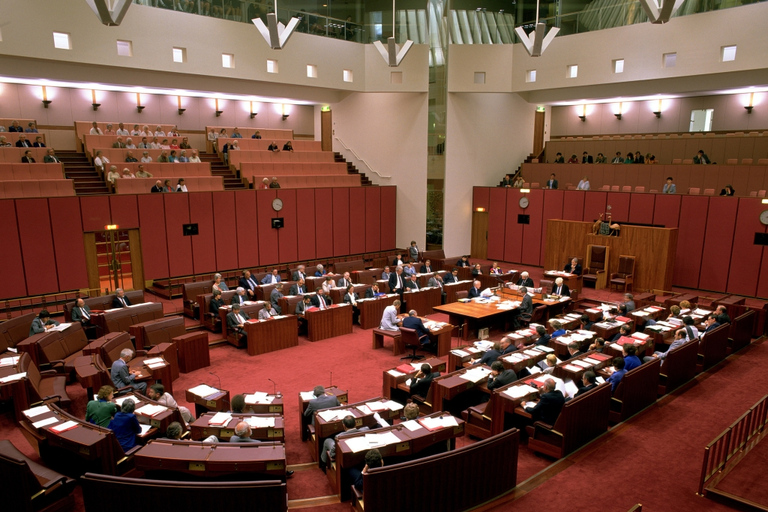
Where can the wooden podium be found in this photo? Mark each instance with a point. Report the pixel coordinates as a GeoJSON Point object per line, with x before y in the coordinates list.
{"type": "Point", "coordinates": [654, 250]}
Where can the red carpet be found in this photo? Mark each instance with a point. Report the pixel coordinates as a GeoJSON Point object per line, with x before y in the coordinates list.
{"type": "Point", "coordinates": [747, 479]}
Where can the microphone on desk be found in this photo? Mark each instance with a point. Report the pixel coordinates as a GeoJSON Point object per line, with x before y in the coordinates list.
{"type": "Point", "coordinates": [217, 378]}
{"type": "Point", "coordinates": [331, 380]}
{"type": "Point", "coordinates": [274, 386]}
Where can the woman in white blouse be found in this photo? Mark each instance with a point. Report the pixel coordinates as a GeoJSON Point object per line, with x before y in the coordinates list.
{"type": "Point", "coordinates": [181, 186]}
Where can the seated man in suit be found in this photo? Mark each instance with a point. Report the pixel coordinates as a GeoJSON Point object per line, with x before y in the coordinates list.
{"type": "Point", "coordinates": [584, 323]}
{"type": "Point", "coordinates": [629, 301]}
{"type": "Point", "coordinates": [475, 290]}
{"type": "Point", "coordinates": [679, 340]}
{"type": "Point", "coordinates": [321, 300]}
{"type": "Point", "coordinates": [500, 376]}
{"type": "Point", "coordinates": [617, 373]}
{"type": "Point", "coordinates": [42, 323]}
{"type": "Point", "coordinates": [624, 330]}
{"type": "Point", "coordinates": [329, 445]}
{"type": "Point", "coordinates": [239, 297]}
{"type": "Point", "coordinates": [426, 268]}
{"type": "Point", "coordinates": [573, 267]}
{"type": "Point", "coordinates": [372, 460]}
{"type": "Point", "coordinates": [477, 269]}
{"type": "Point", "coordinates": [490, 356]}
{"type": "Point", "coordinates": [389, 320]}
{"type": "Point", "coordinates": [249, 284]}
{"type": "Point", "coordinates": [574, 350]}
{"type": "Point", "coordinates": [120, 300]}
{"type": "Point", "coordinates": [301, 308]}
{"type": "Point", "coordinates": [631, 361]}
{"type": "Point", "coordinates": [691, 332]}
{"type": "Point", "coordinates": [423, 380]}
{"type": "Point", "coordinates": [320, 402]}
{"type": "Point", "coordinates": [275, 296]}
{"type": "Point", "coordinates": [550, 403]}
{"type": "Point", "coordinates": [398, 261]}
{"type": "Point", "coordinates": [597, 345]}
{"type": "Point", "coordinates": [409, 269]}
{"type": "Point", "coordinates": [385, 275]}
{"type": "Point", "coordinates": [557, 328]}
{"type": "Point", "coordinates": [560, 289]}
{"type": "Point", "coordinates": [412, 283]}
{"type": "Point", "coordinates": [397, 281]}
{"type": "Point", "coordinates": [711, 323]}
{"type": "Point", "coordinates": [242, 434]}
{"type": "Point", "coordinates": [344, 281]}
{"type": "Point", "coordinates": [157, 393]}
{"type": "Point", "coordinates": [320, 272]}
{"type": "Point", "coordinates": [298, 288]}
{"type": "Point", "coordinates": [412, 321]}
{"type": "Point", "coordinates": [271, 278]}
{"type": "Point", "coordinates": [236, 321]}
{"type": "Point", "coordinates": [123, 376]}
{"type": "Point", "coordinates": [267, 312]}
{"type": "Point", "coordinates": [543, 336]}
{"type": "Point", "coordinates": [453, 277]}
{"type": "Point", "coordinates": [463, 261]}
{"type": "Point", "coordinates": [81, 313]}
{"type": "Point", "coordinates": [436, 281]}
{"type": "Point", "coordinates": [525, 280]}
{"type": "Point", "coordinates": [588, 383]}
{"type": "Point", "coordinates": [721, 315]}
{"type": "Point", "coordinates": [299, 273]}
{"type": "Point", "coordinates": [372, 291]}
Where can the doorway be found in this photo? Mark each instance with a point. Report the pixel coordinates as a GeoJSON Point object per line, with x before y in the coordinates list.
{"type": "Point", "coordinates": [114, 260]}
{"type": "Point", "coordinates": [479, 245]}
{"type": "Point", "coordinates": [326, 130]}
{"type": "Point", "coordinates": [701, 120]}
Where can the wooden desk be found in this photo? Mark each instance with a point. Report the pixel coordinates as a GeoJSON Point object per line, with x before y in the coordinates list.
{"type": "Point", "coordinates": [201, 429]}
{"type": "Point", "coordinates": [494, 280]}
{"type": "Point", "coordinates": [272, 405]}
{"type": "Point", "coordinates": [569, 370]}
{"type": "Point", "coordinates": [371, 310]}
{"type": "Point", "coordinates": [440, 337]}
{"type": "Point", "coordinates": [607, 330]}
{"type": "Point", "coordinates": [154, 332]}
{"type": "Point", "coordinates": [159, 421]}
{"type": "Point", "coordinates": [572, 281]}
{"type": "Point", "coordinates": [193, 351]}
{"type": "Point", "coordinates": [450, 387]}
{"type": "Point", "coordinates": [423, 300]}
{"type": "Point", "coordinates": [249, 308]}
{"type": "Point", "coordinates": [368, 276]}
{"type": "Point", "coordinates": [450, 290]}
{"type": "Point", "coordinates": [212, 460]}
{"type": "Point", "coordinates": [218, 401]}
{"type": "Point", "coordinates": [395, 376]}
{"type": "Point", "coordinates": [334, 321]}
{"type": "Point", "coordinates": [270, 335]}
{"type": "Point", "coordinates": [337, 294]}
{"type": "Point", "coordinates": [341, 396]}
{"type": "Point", "coordinates": [643, 349]}
{"type": "Point", "coordinates": [117, 320]}
{"type": "Point", "coordinates": [677, 299]}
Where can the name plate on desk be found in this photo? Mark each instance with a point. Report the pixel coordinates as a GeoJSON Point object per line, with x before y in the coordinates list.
{"type": "Point", "coordinates": [275, 432]}
{"type": "Point", "coordinates": [85, 450]}
{"type": "Point", "coordinates": [402, 447]}
{"type": "Point", "coordinates": [197, 466]}
{"type": "Point", "coordinates": [275, 466]}
{"type": "Point", "coordinates": [227, 432]}
{"type": "Point", "coordinates": [210, 403]}
{"type": "Point", "coordinates": [275, 408]}
{"type": "Point", "coordinates": [155, 423]}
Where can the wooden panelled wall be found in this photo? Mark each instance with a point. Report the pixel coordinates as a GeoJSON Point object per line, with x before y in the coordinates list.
{"type": "Point", "coordinates": [715, 247]}
{"type": "Point", "coordinates": [43, 250]}
{"type": "Point", "coordinates": [653, 248]}
{"type": "Point", "coordinates": [743, 178]}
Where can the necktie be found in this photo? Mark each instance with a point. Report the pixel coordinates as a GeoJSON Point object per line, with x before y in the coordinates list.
{"type": "Point", "coordinates": [322, 302]}
{"type": "Point", "coordinates": [85, 313]}
{"type": "Point", "coordinates": [123, 301]}
{"type": "Point", "coordinates": [252, 283]}
{"type": "Point", "coordinates": [399, 281]}
{"type": "Point", "coordinates": [239, 319]}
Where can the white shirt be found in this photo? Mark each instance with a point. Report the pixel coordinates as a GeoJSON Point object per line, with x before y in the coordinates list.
{"type": "Point", "coordinates": [195, 159]}
{"type": "Point", "coordinates": [96, 131]}
{"type": "Point", "coordinates": [160, 133]}
{"type": "Point", "coordinates": [122, 132]}
{"type": "Point", "coordinates": [583, 185]}
{"type": "Point", "coordinates": [146, 159]}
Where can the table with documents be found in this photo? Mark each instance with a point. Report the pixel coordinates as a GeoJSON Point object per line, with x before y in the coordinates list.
{"type": "Point", "coordinates": [277, 333]}
{"type": "Point", "coordinates": [307, 396]}
{"type": "Point", "coordinates": [264, 427]}
{"type": "Point", "coordinates": [395, 376]}
{"type": "Point", "coordinates": [260, 402]}
{"type": "Point", "coordinates": [207, 398]}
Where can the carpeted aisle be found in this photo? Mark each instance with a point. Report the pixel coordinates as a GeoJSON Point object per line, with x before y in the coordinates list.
{"type": "Point", "coordinates": [747, 479]}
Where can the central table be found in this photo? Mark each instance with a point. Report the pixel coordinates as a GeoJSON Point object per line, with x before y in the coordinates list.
{"type": "Point", "coordinates": [334, 321]}
{"type": "Point", "coordinates": [371, 310]}
{"type": "Point", "coordinates": [270, 335]}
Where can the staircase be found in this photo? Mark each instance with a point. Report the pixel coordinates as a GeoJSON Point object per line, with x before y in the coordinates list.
{"type": "Point", "coordinates": [219, 168]}
{"type": "Point", "coordinates": [78, 168]}
{"type": "Point", "coordinates": [527, 160]}
{"type": "Point", "coordinates": [351, 169]}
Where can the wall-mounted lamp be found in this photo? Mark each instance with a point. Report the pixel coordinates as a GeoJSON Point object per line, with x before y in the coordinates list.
{"type": "Point", "coordinates": [479, 209]}
{"type": "Point", "coordinates": [181, 110]}
{"type": "Point", "coordinates": [285, 116]}
{"type": "Point", "coordinates": [525, 191]}
{"type": "Point", "coordinates": [583, 115]}
{"type": "Point", "coordinates": [751, 103]}
{"type": "Point", "coordinates": [253, 114]}
{"type": "Point", "coordinates": [218, 111]}
{"type": "Point", "coordinates": [46, 101]}
{"type": "Point", "coordinates": [618, 114]}
{"type": "Point", "coordinates": [94, 104]}
{"type": "Point", "coordinates": [764, 201]}
{"type": "Point", "coordinates": [657, 113]}
{"type": "Point", "coordinates": [139, 106]}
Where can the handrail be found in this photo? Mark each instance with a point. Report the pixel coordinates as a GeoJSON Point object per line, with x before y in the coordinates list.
{"type": "Point", "coordinates": [359, 158]}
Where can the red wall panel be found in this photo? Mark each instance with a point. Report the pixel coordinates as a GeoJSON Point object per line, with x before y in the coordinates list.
{"type": "Point", "coordinates": [748, 273]}
{"type": "Point", "coordinates": [497, 219]}
{"type": "Point", "coordinates": [666, 211]}
{"type": "Point", "coordinates": [595, 203]}
{"type": "Point", "coordinates": [641, 208]}
{"type": "Point", "coordinates": [68, 241]}
{"type": "Point", "coordinates": [388, 218]}
{"type": "Point", "coordinates": [179, 246]}
{"type": "Point", "coordinates": [357, 221]}
{"type": "Point", "coordinates": [551, 209]}
{"type": "Point", "coordinates": [154, 246]}
{"type": "Point", "coordinates": [531, 250]}
{"type": "Point", "coordinates": [287, 237]}
{"type": "Point", "coordinates": [37, 246]}
{"type": "Point", "coordinates": [481, 198]}
{"type": "Point", "coordinates": [324, 222]}
{"type": "Point", "coordinates": [690, 240]}
{"type": "Point", "coordinates": [12, 269]}
{"type": "Point", "coordinates": [268, 254]}
{"type": "Point", "coordinates": [124, 211]}
{"type": "Point", "coordinates": [573, 206]}
{"type": "Point", "coordinates": [95, 212]}
{"type": "Point", "coordinates": [718, 241]}
{"type": "Point", "coordinates": [204, 243]}
{"type": "Point", "coordinates": [247, 228]}
{"type": "Point", "coordinates": [305, 229]}
{"type": "Point", "coordinates": [225, 230]}
{"type": "Point", "coordinates": [513, 232]}
{"type": "Point", "coordinates": [340, 221]}
{"type": "Point", "coordinates": [372, 219]}
{"type": "Point", "coordinates": [619, 203]}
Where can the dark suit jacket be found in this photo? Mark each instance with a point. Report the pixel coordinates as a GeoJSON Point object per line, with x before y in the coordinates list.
{"type": "Point", "coordinates": [543, 340]}
{"type": "Point", "coordinates": [526, 305]}
{"type": "Point", "coordinates": [316, 300]}
{"type": "Point", "coordinates": [587, 159]}
{"type": "Point", "coordinates": [245, 285]}
{"type": "Point", "coordinates": [421, 386]}
{"type": "Point", "coordinates": [395, 263]}
{"type": "Point", "coordinates": [23, 144]}
{"type": "Point", "coordinates": [565, 292]}
{"type": "Point", "coordinates": [298, 275]}
{"type": "Point", "coordinates": [117, 304]}
{"type": "Point", "coordinates": [415, 323]}
{"type": "Point", "coordinates": [238, 299]}
{"type": "Point", "coordinates": [584, 389]}
{"type": "Point", "coordinates": [393, 282]}
{"type": "Point", "coordinates": [577, 271]}
{"type": "Point", "coordinates": [295, 290]}
{"type": "Point", "coordinates": [274, 297]}
{"type": "Point", "coordinates": [155, 188]}
{"type": "Point", "coordinates": [369, 294]}
{"type": "Point", "coordinates": [723, 319]}
{"type": "Point", "coordinates": [77, 315]}
{"type": "Point", "coordinates": [473, 292]}
{"type": "Point", "coordinates": [411, 285]}
{"type": "Point", "coordinates": [489, 357]}
{"type": "Point", "coordinates": [214, 306]}
{"type": "Point", "coordinates": [38, 326]}
{"type": "Point", "coordinates": [268, 279]}
{"type": "Point", "coordinates": [48, 159]}
{"type": "Point", "coordinates": [343, 283]}
{"type": "Point", "coordinates": [27, 160]}
{"type": "Point", "coordinates": [232, 321]}
{"type": "Point", "coordinates": [502, 379]}
{"type": "Point", "coordinates": [319, 403]}
{"type": "Point", "coordinates": [449, 278]}
{"type": "Point", "coordinates": [511, 348]}
{"type": "Point", "coordinates": [348, 299]}
{"type": "Point", "coordinates": [38, 144]}
{"type": "Point", "coordinates": [548, 408]}
{"type": "Point", "coordinates": [462, 263]}
{"type": "Point", "coordinates": [552, 184]}
{"type": "Point", "coordinates": [528, 283]}
{"type": "Point", "coordinates": [301, 307]}
{"type": "Point", "coordinates": [425, 269]}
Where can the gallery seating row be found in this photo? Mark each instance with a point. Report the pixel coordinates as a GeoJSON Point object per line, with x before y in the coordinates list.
{"type": "Point", "coordinates": [84, 127]}
{"type": "Point", "coordinates": [290, 169]}
{"type": "Point", "coordinates": [33, 188]}
{"type": "Point", "coordinates": [266, 133]}
{"type": "Point", "coordinates": [92, 142]}
{"type": "Point", "coordinates": [12, 137]}
{"type": "Point", "coordinates": [168, 170]}
{"type": "Point", "coordinates": [193, 183]}
{"type": "Point", "coordinates": [248, 155]}
{"type": "Point", "coordinates": [8, 122]}
{"type": "Point", "coordinates": [13, 155]}
{"type": "Point", "coordinates": [117, 156]}
{"type": "Point", "coordinates": [264, 143]}
{"type": "Point", "coordinates": [348, 180]}
{"type": "Point", "coordinates": [37, 171]}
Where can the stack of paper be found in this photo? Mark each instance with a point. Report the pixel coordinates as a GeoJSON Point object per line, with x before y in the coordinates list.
{"type": "Point", "coordinates": [307, 395]}
{"type": "Point", "coordinates": [220, 419]}
{"type": "Point", "coordinates": [259, 397]}
{"type": "Point", "coordinates": [583, 363]}
{"type": "Point", "coordinates": [261, 422]}
{"type": "Point", "coordinates": [572, 368]}
{"type": "Point", "coordinates": [530, 352]}
{"type": "Point", "coordinates": [63, 427]}
{"type": "Point", "coordinates": [412, 425]}
{"type": "Point", "coordinates": [518, 391]}
{"type": "Point", "coordinates": [14, 377]}
{"type": "Point", "coordinates": [36, 411]}
{"type": "Point", "coordinates": [439, 422]}
{"type": "Point", "coordinates": [545, 348]}
{"type": "Point", "coordinates": [119, 401]}
{"type": "Point", "coordinates": [144, 429]}
{"type": "Point", "coordinates": [150, 410]}
{"type": "Point", "coordinates": [459, 353]}
{"type": "Point", "coordinates": [60, 327]}
{"type": "Point", "coordinates": [484, 345]}
{"type": "Point", "coordinates": [395, 373]}
{"type": "Point", "coordinates": [203, 390]}
{"type": "Point", "coordinates": [334, 414]}
{"type": "Point", "coordinates": [9, 361]}
{"type": "Point", "coordinates": [475, 374]}
{"type": "Point", "coordinates": [46, 421]}
{"type": "Point", "coordinates": [590, 361]}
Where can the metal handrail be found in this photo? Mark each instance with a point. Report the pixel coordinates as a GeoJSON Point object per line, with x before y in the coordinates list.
{"type": "Point", "coordinates": [359, 158]}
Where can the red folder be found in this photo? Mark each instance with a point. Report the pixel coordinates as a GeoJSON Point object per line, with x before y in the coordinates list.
{"type": "Point", "coordinates": [405, 368]}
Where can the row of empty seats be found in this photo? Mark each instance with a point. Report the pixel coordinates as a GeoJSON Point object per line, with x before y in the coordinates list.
{"type": "Point", "coordinates": [263, 144]}
{"type": "Point", "coordinates": [248, 155]}
{"type": "Point", "coordinates": [14, 154]}
{"type": "Point", "coordinates": [308, 169]}
{"type": "Point", "coordinates": [639, 136]}
{"type": "Point", "coordinates": [317, 181]}
{"type": "Point", "coordinates": [194, 184]}
{"type": "Point", "coordinates": [36, 188]}
{"type": "Point", "coordinates": [36, 171]}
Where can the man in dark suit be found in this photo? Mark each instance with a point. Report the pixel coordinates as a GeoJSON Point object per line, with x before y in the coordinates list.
{"type": "Point", "coordinates": [543, 336]}
{"type": "Point", "coordinates": [550, 403]}
{"type": "Point", "coordinates": [50, 157]}
{"type": "Point", "coordinates": [239, 297]}
{"type": "Point", "coordinates": [463, 262]}
{"type": "Point", "coordinates": [507, 346]}
{"type": "Point", "coordinates": [490, 356]}
{"type": "Point", "coordinates": [249, 284]}
{"type": "Point", "coordinates": [475, 290]}
{"type": "Point", "coordinates": [398, 261]}
{"type": "Point", "coordinates": [397, 281]}
{"type": "Point", "coordinates": [23, 142]}
{"type": "Point", "coordinates": [344, 281]}
{"type": "Point", "coordinates": [329, 445]}
{"type": "Point", "coordinates": [422, 380]}
{"type": "Point", "coordinates": [414, 322]}
{"type": "Point", "coordinates": [629, 302]}
{"type": "Point", "coordinates": [120, 300]}
{"type": "Point", "coordinates": [372, 291]}
{"type": "Point", "coordinates": [236, 321]}
{"type": "Point", "coordinates": [436, 281]}
{"type": "Point", "coordinates": [584, 323]}
{"type": "Point", "coordinates": [320, 402]}
{"type": "Point", "coordinates": [42, 323]}
{"type": "Point", "coordinates": [624, 330]}
{"type": "Point", "coordinates": [588, 383]}
{"type": "Point", "coordinates": [275, 296]}
{"type": "Point", "coordinates": [301, 309]}
{"type": "Point", "coordinates": [499, 376]}
{"type": "Point", "coordinates": [525, 280]}
{"type": "Point", "coordinates": [157, 187]}
{"type": "Point", "coordinates": [27, 158]}
{"type": "Point", "coordinates": [551, 182]}
{"type": "Point", "coordinates": [574, 350]}
{"type": "Point", "coordinates": [321, 300]}
{"type": "Point", "coordinates": [271, 278]}
{"type": "Point", "coordinates": [298, 288]}
{"type": "Point", "coordinates": [711, 323]}
{"type": "Point", "coordinates": [299, 273]}
{"type": "Point", "coordinates": [573, 267]}
{"type": "Point", "coordinates": [586, 158]}
{"type": "Point", "coordinates": [526, 303]}
{"type": "Point", "coordinates": [560, 288]}
{"type": "Point", "coordinates": [81, 312]}
{"type": "Point", "coordinates": [411, 283]}
{"type": "Point", "coordinates": [721, 315]}
{"type": "Point", "coordinates": [38, 143]}
{"type": "Point", "coordinates": [453, 277]}
{"type": "Point", "coordinates": [426, 268]}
